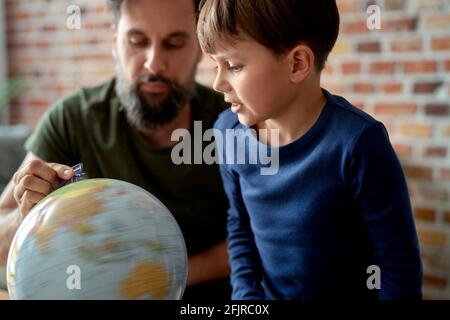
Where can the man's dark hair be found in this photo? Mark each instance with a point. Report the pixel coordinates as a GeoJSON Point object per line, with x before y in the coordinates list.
{"type": "Point", "coordinates": [279, 25]}
{"type": "Point", "coordinates": [114, 6]}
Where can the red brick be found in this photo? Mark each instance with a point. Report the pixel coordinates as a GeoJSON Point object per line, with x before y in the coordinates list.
{"type": "Point", "coordinates": [93, 56]}
{"type": "Point", "coordinates": [351, 67]}
{"type": "Point", "coordinates": [369, 47]}
{"type": "Point", "coordinates": [434, 281]}
{"type": "Point", "coordinates": [41, 44]}
{"type": "Point", "coordinates": [382, 67]}
{"type": "Point", "coordinates": [444, 174]}
{"type": "Point", "coordinates": [18, 15]}
{"type": "Point", "coordinates": [440, 43]}
{"type": "Point", "coordinates": [395, 108]}
{"type": "Point", "coordinates": [38, 103]}
{"type": "Point", "coordinates": [359, 104]}
{"type": "Point", "coordinates": [425, 214]}
{"type": "Point", "coordinates": [400, 24]}
{"type": "Point", "coordinates": [391, 5]}
{"type": "Point", "coordinates": [100, 9]}
{"type": "Point", "coordinates": [406, 45]}
{"type": "Point", "coordinates": [354, 26]}
{"type": "Point", "coordinates": [48, 28]}
{"type": "Point", "coordinates": [429, 237]}
{"type": "Point", "coordinates": [437, 109]}
{"type": "Point", "coordinates": [438, 21]}
{"type": "Point", "coordinates": [421, 5]}
{"type": "Point", "coordinates": [447, 65]}
{"type": "Point", "coordinates": [447, 217]}
{"type": "Point", "coordinates": [433, 193]}
{"type": "Point", "coordinates": [426, 87]}
{"type": "Point", "coordinates": [362, 87]}
{"type": "Point", "coordinates": [435, 296]}
{"type": "Point", "coordinates": [436, 152]}
{"type": "Point", "coordinates": [402, 150]}
{"type": "Point", "coordinates": [446, 131]}
{"type": "Point", "coordinates": [424, 66]}
{"type": "Point", "coordinates": [392, 87]}
{"type": "Point", "coordinates": [416, 172]}
{"type": "Point", "coordinates": [341, 48]}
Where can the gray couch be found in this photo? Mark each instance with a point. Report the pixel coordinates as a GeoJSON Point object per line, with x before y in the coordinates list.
{"type": "Point", "coordinates": [12, 152]}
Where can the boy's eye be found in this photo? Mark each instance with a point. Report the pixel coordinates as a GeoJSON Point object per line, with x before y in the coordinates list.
{"type": "Point", "coordinates": [234, 68]}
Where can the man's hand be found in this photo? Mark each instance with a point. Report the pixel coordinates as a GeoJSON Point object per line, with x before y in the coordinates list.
{"type": "Point", "coordinates": [35, 180]}
{"type": "Point", "coordinates": [211, 264]}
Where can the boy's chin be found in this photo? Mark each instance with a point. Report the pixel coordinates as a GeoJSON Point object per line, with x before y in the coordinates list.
{"type": "Point", "coordinates": [246, 121]}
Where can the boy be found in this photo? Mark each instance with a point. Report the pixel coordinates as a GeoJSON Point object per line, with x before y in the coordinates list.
{"type": "Point", "coordinates": [338, 206]}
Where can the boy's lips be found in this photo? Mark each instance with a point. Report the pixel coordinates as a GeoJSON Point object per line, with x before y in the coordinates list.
{"type": "Point", "coordinates": [235, 106]}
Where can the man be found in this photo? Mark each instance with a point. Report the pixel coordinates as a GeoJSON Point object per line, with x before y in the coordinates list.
{"type": "Point", "coordinates": [122, 130]}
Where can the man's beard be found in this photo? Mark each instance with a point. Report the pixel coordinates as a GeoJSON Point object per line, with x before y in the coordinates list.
{"type": "Point", "coordinates": [147, 111]}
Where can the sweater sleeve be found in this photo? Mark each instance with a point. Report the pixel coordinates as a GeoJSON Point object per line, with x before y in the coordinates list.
{"type": "Point", "coordinates": [379, 186]}
{"type": "Point", "coordinates": [246, 269]}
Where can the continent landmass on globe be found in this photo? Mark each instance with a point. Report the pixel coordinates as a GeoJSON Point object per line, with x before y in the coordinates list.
{"type": "Point", "coordinates": [69, 212]}
{"type": "Point", "coordinates": [146, 278]}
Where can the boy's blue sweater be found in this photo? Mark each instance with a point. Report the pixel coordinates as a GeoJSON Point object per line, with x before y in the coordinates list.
{"type": "Point", "coordinates": [338, 204]}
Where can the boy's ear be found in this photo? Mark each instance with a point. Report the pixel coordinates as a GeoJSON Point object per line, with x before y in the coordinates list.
{"type": "Point", "coordinates": [302, 63]}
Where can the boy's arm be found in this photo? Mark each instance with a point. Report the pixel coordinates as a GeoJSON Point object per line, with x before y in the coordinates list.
{"type": "Point", "coordinates": [379, 186]}
{"type": "Point", "coordinates": [246, 269]}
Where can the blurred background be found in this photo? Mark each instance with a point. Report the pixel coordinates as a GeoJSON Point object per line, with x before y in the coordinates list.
{"type": "Point", "coordinates": [392, 60]}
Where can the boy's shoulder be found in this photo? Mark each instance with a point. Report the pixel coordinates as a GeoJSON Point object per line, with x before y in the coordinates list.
{"type": "Point", "coordinates": [345, 110]}
{"type": "Point", "coordinates": [346, 120]}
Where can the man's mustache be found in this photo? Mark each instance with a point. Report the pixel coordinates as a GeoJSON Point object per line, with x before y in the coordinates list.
{"type": "Point", "coordinates": [152, 78]}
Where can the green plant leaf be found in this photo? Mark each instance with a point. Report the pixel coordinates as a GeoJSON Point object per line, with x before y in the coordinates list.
{"type": "Point", "coordinates": [9, 90]}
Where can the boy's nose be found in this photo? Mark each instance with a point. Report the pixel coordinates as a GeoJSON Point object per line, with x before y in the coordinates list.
{"type": "Point", "coordinates": [155, 61]}
{"type": "Point", "coordinates": [221, 84]}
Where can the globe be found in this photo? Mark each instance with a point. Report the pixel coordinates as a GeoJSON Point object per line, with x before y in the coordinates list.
{"type": "Point", "coordinates": [98, 239]}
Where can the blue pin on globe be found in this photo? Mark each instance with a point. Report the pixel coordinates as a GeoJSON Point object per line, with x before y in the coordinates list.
{"type": "Point", "coordinates": [98, 239]}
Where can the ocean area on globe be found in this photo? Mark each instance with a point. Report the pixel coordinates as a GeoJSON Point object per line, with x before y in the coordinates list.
{"type": "Point", "coordinates": [101, 239]}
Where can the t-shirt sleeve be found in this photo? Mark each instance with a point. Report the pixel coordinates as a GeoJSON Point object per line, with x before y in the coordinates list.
{"type": "Point", "coordinates": [53, 140]}
{"type": "Point", "coordinates": [379, 186]}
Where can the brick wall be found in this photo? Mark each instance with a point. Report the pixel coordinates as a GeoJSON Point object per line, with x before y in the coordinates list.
{"type": "Point", "coordinates": [400, 74]}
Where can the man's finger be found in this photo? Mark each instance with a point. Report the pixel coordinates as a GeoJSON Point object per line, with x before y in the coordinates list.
{"type": "Point", "coordinates": [29, 200]}
{"type": "Point", "coordinates": [63, 171]}
{"type": "Point", "coordinates": [39, 169]}
{"type": "Point", "coordinates": [36, 184]}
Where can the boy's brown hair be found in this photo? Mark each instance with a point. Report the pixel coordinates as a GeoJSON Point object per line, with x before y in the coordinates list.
{"type": "Point", "coordinates": [279, 25]}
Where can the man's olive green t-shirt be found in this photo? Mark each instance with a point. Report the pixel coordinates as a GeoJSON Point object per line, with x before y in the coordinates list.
{"type": "Point", "coordinates": [91, 127]}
